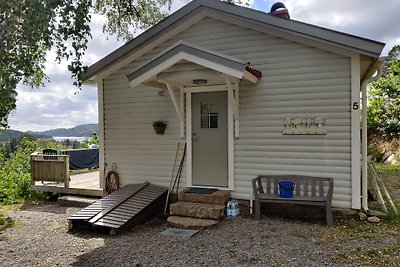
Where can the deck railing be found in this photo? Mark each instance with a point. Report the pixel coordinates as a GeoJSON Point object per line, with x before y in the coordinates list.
{"type": "Point", "coordinates": [50, 168]}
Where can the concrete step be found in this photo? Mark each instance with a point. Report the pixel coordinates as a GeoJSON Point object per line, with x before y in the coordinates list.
{"type": "Point", "coordinates": [190, 223]}
{"type": "Point", "coordinates": [220, 197]}
{"type": "Point", "coordinates": [76, 201]}
{"type": "Point", "coordinates": [197, 210]}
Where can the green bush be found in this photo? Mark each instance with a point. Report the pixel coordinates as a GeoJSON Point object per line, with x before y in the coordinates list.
{"type": "Point", "coordinates": [15, 178]}
{"type": "Point", "coordinates": [375, 153]}
{"type": "Point", "coordinates": [384, 101]}
{"type": "Point", "coordinates": [15, 169]}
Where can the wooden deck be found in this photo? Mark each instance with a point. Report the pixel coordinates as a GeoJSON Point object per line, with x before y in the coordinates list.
{"type": "Point", "coordinates": [86, 184]}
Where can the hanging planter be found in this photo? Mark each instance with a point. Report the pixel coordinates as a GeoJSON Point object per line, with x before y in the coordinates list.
{"type": "Point", "coordinates": [159, 126]}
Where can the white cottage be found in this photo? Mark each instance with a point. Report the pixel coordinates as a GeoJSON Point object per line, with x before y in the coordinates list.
{"type": "Point", "coordinates": [250, 92]}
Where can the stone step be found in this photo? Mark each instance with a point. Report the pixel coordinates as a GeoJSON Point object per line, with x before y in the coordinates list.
{"type": "Point", "coordinates": [190, 223]}
{"type": "Point", "coordinates": [76, 201]}
{"type": "Point", "coordinates": [197, 210]}
{"type": "Point", "coordinates": [220, 197]}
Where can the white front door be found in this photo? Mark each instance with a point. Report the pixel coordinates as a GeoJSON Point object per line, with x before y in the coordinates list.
{"type": "Point", "coordinates": [210, 139]}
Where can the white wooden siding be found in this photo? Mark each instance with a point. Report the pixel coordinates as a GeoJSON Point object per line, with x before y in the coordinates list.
{"type": "Point", "coordinates": [298, 80]}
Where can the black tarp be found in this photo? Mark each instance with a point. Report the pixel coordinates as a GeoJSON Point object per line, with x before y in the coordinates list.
{"type": "Point", "coordinates": [82, 158]}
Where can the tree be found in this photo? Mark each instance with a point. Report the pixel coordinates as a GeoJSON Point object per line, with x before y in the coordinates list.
{"type": "Point", "coordinates": [238, 2]}
{"type": "Point", "coordinates": [384, 98]}
{"type": "Point", "coordinates": [14, 143]}
{"type": "Point", "coordinates": [93, 142]}
{"type": "Point", "coordinates": [31, 28]}
{"type": "Point", "coordinates": [393, 53]}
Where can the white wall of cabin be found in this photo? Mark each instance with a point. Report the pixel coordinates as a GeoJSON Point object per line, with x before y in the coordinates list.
{"type": "Point", "coordinates": [298, 80]}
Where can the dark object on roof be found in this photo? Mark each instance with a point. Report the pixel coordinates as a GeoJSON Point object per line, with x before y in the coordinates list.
{"type": "Point", "coordinates": [277, 6]}
{"type": "Point", "coordinates": [279, 9]}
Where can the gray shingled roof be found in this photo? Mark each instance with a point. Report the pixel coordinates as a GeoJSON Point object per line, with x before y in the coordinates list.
{"type": "Point", "coordinates": [353, 43]}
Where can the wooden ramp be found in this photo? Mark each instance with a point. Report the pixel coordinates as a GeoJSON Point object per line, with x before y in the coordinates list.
{"type": "Point", "coordinates": [131, 205]}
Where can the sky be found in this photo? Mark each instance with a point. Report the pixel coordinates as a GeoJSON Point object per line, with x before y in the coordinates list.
{"type": "Point", "coordinates": [57, 105]}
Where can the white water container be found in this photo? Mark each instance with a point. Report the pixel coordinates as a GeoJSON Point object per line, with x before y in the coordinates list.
{"type": "Point", "coordinates": [232, 209]}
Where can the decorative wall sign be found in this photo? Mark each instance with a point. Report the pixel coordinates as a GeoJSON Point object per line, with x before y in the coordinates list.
{"type": "Point", "coordinates": [307, 126]}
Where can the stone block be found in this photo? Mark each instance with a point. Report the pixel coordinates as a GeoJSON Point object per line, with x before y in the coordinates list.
{"type": "Point", "coordinates": [220, 197]}
{"type": "Point", "coordinates": [197, 210]}
{"type": "Point", "coordinates": [190, 223]}
{"type": "Point", "coordinates": [374, 219]}
{"type": "Point", "coordinates": [362, 216]}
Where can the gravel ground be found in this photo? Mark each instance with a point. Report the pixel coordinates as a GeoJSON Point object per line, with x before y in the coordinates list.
{"type": "Point", "coordinates": [41, 238]}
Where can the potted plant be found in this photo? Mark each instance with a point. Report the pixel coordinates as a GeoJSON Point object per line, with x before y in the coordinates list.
{"type": "Point", "coordinates": [159, 126]}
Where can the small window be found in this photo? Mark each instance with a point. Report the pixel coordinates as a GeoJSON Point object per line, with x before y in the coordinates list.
{"type": "Point", "coordinates": [208, 115]}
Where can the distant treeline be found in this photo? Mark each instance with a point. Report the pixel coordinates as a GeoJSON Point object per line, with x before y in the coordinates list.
{"type": "Point", "coordinates": [84, 130]}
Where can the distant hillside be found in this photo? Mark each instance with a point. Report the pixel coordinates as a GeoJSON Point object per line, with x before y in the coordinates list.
{"type": "Point", "coordinates": [84, 130]}
{"type": "Point", "coordinates": [7, 134]}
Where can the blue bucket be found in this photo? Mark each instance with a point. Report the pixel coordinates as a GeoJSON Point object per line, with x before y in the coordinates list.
{"type": "Point", "coordinates": [286, 189]}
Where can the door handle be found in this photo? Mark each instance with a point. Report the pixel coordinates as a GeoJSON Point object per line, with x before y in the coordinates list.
{"type": "Point", "coordinates": [195, 137]}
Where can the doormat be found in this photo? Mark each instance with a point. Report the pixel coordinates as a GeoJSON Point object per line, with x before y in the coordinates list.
{"type": "Point", "coordinates": [205, 191]}
{"type": "Point", "coordinates": [179, 232]}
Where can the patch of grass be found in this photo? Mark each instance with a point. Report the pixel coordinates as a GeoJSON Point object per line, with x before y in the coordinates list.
{"type": "Point", "coordinates": [388, 169]}
{"type": "Point", "coordinates": [392, 219]}
{"type": "Point", "coordinates": [363, 244]}
{"type": "Point", "coordinates": [5, 221]}
{"type": "Point", "coordinates": [390, 175]}
{"type": "Point", "coordinates": [38, 197]}
{"type": "Point", "coordinates": [381, 256]}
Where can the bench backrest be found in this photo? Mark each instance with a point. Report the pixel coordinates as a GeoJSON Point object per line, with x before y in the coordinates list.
{"type": "Point", "coordinates": [304, 185]}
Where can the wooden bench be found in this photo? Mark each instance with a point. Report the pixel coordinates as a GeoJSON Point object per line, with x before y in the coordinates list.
{"type": "Point", "coordinates": [316, 191]}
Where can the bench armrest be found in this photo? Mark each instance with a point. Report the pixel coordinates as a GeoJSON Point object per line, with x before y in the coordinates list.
{"type": "Point", "coordinates": [330, 192]}
{"type": "Point", "coordinates": [257, 187]}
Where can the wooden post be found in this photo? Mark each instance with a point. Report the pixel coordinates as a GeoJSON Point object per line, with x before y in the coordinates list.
{"type": "Point", "coordinates": [378, 193]}
{"type": "Point", "coordinates": [66, 173]}
{"type": "Point", "coordinates": [382, 185]}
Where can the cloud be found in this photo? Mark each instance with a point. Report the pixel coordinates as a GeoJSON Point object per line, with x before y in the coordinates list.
{"type": "Point", "coordinates": [361, 18]}
{"type": "Point", "coordinates": [56, 105]}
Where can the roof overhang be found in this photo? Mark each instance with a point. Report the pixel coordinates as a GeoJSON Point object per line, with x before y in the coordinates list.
{"type": "Point", "coordinates": [214, 63]}
{"type": "Point", "coordinates": [374, 68]}
{"type": "Point", "coordinates": [198, 9]}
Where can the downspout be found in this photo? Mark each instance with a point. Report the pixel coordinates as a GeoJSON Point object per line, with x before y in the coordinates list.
{"type": "Point", "coordinates": [364, 142]}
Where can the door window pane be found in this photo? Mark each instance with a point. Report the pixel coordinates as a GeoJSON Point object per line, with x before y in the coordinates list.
{"type": "Point", "coordinates": [204, 122]}
{"type": "Point", "coordinates": [213, 120]}
{"type": "Point", "coordinates": [208, 115]}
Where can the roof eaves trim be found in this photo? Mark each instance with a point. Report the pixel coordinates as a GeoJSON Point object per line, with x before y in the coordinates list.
{"type": "Point", "coordinates": [363, 45]}
{"type": "Point", "coordinates": [358, 44]}
{"type": "Point", "coordinates": [142, 39]}
{"type": "Point", "coordinates": [195, 54]}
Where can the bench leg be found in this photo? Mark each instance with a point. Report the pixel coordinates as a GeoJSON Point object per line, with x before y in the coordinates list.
{"type": "Point", "coordinates": [257, 210]}
{"type": "Point", "coordinates": [329, 220]}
